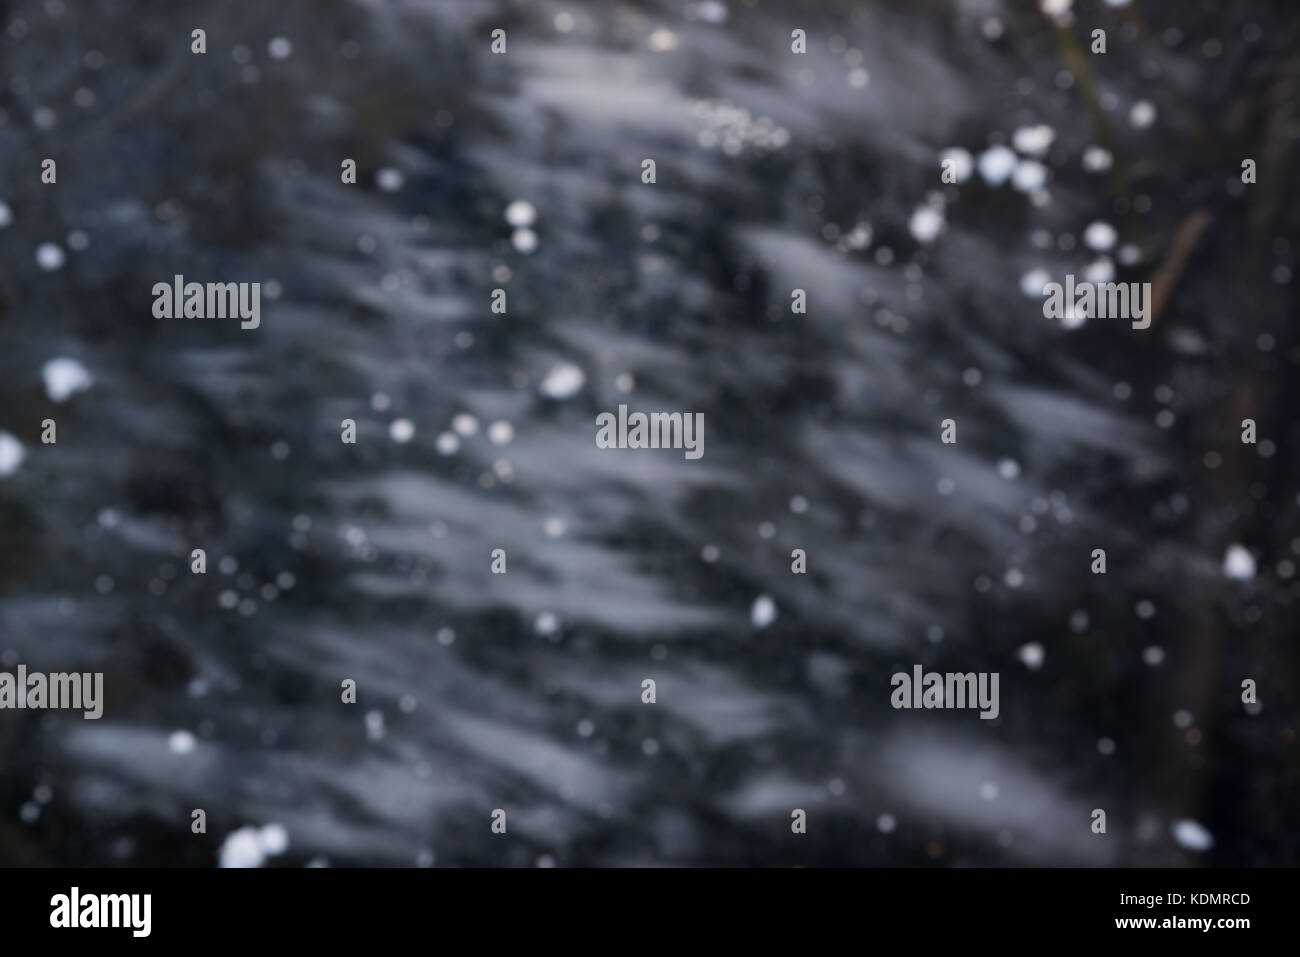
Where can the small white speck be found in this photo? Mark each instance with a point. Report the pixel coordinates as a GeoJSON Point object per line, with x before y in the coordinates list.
{"type": "Point", "coordinates": [1097, 160]}
{"type": "Point", "coordinates": [500, 432]}
{"type": "Point", "coordinates": [1101, 270]}
{"type": "Point", "coordinates": [465, 424]}
{"type": "Point", "coordinates": [763, 612]}
{"type": "Point", "coordinates": [389, 180]}
{"type": "Point", "coordinates": [563, 381]}
{"type": "Point", "coordinates": [401, 430]}
{"type": "Point", "coordinates": [521, 214]}
{"type": "Point", "coordinates": [1032, 655]}
{"type": "Point", "coordinates": [1192, 835]}
{"type": "Point", "coordinates": [1028, 176]}
{"type": "Point", "coordinates": [1100, 236]}
{"type": "Point", "coordinates": [996, 164]}
{"type": "Point", "coordinates": [64, 378]}
{"type": "Point", "coordinates": [1033, 282]}
{"type": "Point", "coordinates": [447, 443]}
{"type": "Point", "coordinates": [50, 256]}
{"type": "Point", "coordinates": [279, 48]}
{"type": "Point", "coordinates": [242, 848]}
{"type": "Point", "coordinates": [11, 454]}
{"type": "Point", "coordinates": [712, 11]}
{"type": "Point", "coordinates": [274, 839]}
{"type": "Point", "coordinates": [988, 791]}
{"type": "Point", "coordinates": [181, 742]}
{"type": "Point", "coordinates": [1033, 140]}
{"type": "Point", "coordinates": [926, 224]}
{"type": "Point", "coordinates": [1009, 469]}
{"type": "Point", "coordinates": [1238, 563]}
{"type": "Point", "coordinates": [661, 41]}
{"type": "Point", "coordinates": [524, 240]}
{"type": "Point", "coordinates": [1142, 114]}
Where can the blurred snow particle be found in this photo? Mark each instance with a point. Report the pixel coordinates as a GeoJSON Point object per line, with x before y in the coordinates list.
{"type": "Point", "coordinates": [963, 164]}
{"type": "Point", "coordinates": [1192, 836]}
{"type": "Point", "coordinates": [375, 725]}
{"type": "Point", "coordinates": [465, 424]}
{"type": "Point", "coordinates": [661, 41]}
{"type": "Point", "coordinates": [1099, 236]}
{"type": "Point", "coordinates": [712, 11]}
{"type": "Point", "coordinates": [11, 454]}
{"type": "Point", "coordinates": [524, 240]}
{"type": "Point", "coordinates": [1101, 270]}
{"type": "Point", "coordinates": [520, 214]}
{"type": "Point", "coordinates": [6, 215]}
{"type": "Point", "coordinates": [1033, 282]}
{"type": "Point", "coordinates": [500, 432]}
{"type": "Point", "coordinates": [1239, 563]}
{"type": "Point", "coordinates": [926, 224]}
{"type": "Point", "coordinates": [279, 48]}
{"type": "Point", "coordinates": [401, 430]}
{"type": "Point", "coordinates": [996, 164]}
{"type": "Point", "coordinates": [64, 378]}
{"type": "Point", "coordinates": [389, 180]}
{"type": "Point", "coordinates": [1142, 114]}
{"type": "Point", "coordinates": [181, 742]}
{"type": "Point", "coordinates": [1096, 159]}
{"type": "Point", "coordinates": [1031, 655]}
{"type": "Point", "coordinates": [763, 611]}
{"type": "Point", "coordinates": [563, 381]}
{"type": "Point", "coordinates": [1028, 176]}
{"type": "Point", "coordinates": [274, 839]}
{"type": "Point", "coordinates": [1033, 140]}
{"type": "Point", "coordinates": [251, 846]}
{"type": "Point", "coordinates": [49, 256]}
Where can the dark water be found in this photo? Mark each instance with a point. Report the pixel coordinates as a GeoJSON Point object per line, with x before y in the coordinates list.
{"type": "Point", "coordinates": [523, 691]}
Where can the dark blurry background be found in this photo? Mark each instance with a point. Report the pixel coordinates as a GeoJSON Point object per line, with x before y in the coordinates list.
{"type": "Point", "coordinates": [523, 691]}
